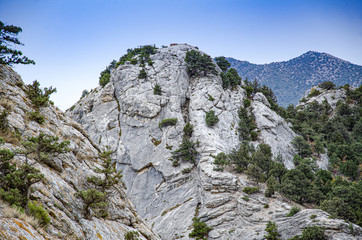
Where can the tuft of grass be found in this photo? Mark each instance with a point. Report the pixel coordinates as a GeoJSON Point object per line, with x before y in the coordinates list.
{"type": "Point", "coordinates": [168, 122]}
{"type": "Point", "coordinates": [11, 212]}
{"type": "Point", "coordinates": [293, 211]}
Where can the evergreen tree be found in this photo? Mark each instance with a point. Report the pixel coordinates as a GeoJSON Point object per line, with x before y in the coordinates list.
{"type": "Point", "coordinates": [8, 38]}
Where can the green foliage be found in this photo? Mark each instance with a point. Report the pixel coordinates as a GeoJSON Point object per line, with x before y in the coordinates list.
{"type": "Point", "coordinates": [241, 157]}
{"type": "Point", "coordinates": [188, 129]}
{"type": "Point", "coordinates": [4, 122]}
{"type": "Point", "coordinates": [211, 119]}
{"type": "Point", "coordinates": [247, 102]}
{"type": "Point", "coordinates": [251, 190]}
{"type": "Point", "coordinates": [255, 173]}
{"type": "Point", "coordinates": [293, 211]}
{"type": "Point", "coordinates": [222, 63]}
{"type": "Point", "coordinates": [210, 97]}
{"type": "Point", "coordinates": [245, 198]}
{"type": "Point", "coordinates": [312, 233]}
{"type": "Point", "coordinates": [271, 186]}
{"type": "Point", "coordinates": [221, 160]}
{"type": "Point", "coordinates": [157, 90]}
{"type": "Point", "coordinates": [254, 136]}
{"type": "Point", "coordinates": [302, 146]}
{"type": "Point", "coordinates": [313, 216]}
{"type": "Point", "coordinates": [95, 200]}
{"type": "Point", "coordinates": [186, 170]}
{"type": "Point", "coordinates": [246, 124]}
{"type": "Point", "coordinates": [36, 117]}
{"type": "Point", "coordinates": [328, 85]}
{"type": "Point", "coordinates": [199, 64]}
{"type": "Point", "coordinates": [131, 235]}
{"type": "Point", "coordinates": [185, 152]}
{"type": "Point", "coordinates": [200, 229]}
{"type": "Point", "coordinates": [272, 230]}
{"type": "Point", "coordinates": [314, 92]}
{"type": "Point", "coordinates": [230, 79]}
{"type": "Point", "coordinates": [37, 211]}
{"type": "Point", "coordinates": [142, 74]}
{"type": "Point", "coordinates": [39, 97]}
{"type": "Point", "coordinates": [85, 92]}
{"type": "Point", "coordinates": [141, 54]}
{"type": "Point", "coordinates": [44, 147]}
{"type": "Point", "coordinates": [16, 180]}
{"type": "Point", "coordinates": [167, 122]}
{"type": "Point", "coordinates": [8, 39]}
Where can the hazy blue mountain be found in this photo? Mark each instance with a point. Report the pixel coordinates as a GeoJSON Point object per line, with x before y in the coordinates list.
{"type": "Point", "coordinates": [290, 79]}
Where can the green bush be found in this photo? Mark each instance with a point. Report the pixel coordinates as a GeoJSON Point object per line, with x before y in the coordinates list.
{"type": "Point", "coordinates": [254, 136]}
{"type": "Point", "coordinates": [220, 161]}
{"type": "Point", "coordinates": [186, 170]}
{"type": "Point", "coordinates": [328, 85]}
{"type": "Point", "coordinates": [186, 152]}
{"type": "Point", "coordinates": [251, 190]}
{"type": "Point", "coordinates": [142, 74]}
{"type": "Point", "coordinates": [4, 122]}
{"type": "Point", "coordinates": [200, 229]}
{"type": "Point", "coordinates": [168, 122]}
{"type": "Point", "coordinates": [143, 52]}
{"type": "Point", "coordinates": [312, 233]}
{"type": "Point", "coordinates": [198, 64]}
{"type": "Point", "coordinates": [188, 129]}
{"type": "Point", "coordinates": [36, 117]}
{"type": "Point", "coordinates": [37, 211]}
{"type": "Point", "coordinates": [131, 235]}
{"type": "Point", "coordinates": [247, 102]}
{"type": "Point", "coordinates": [314, 92]}
{"type": "Point", "coordinates": [293, 211]}
{"type": "Point", "coordinates": [157, 90]}
{"type": "Point", "coordinates": [245, 198]}
{"type": "Point", "coordinates": [230, 78]}
{"type": "Point", "coordinates": [39, 97]}
{"type": "Point", "coordinates": [313, 216]}
{"type": "Point", "coordinates": [211, 119]}
{"type": "Point", "coordinates": [272, 230]}
{"type": "Point", "coordinates": [222, 63]}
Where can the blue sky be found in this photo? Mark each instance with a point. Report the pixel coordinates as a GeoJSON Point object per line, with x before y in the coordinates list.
{"type": "Point", "coordinates": [72, 41]}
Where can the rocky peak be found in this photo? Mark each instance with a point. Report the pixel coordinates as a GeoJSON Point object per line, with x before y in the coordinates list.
{"type": "Point", "coordinates": [64, 174]}
{"type": "Point", "coordinates": [127, 115]}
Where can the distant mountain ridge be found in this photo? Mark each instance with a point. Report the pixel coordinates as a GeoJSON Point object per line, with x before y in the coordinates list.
{"type": "Point", "coordinates": [290, 79]}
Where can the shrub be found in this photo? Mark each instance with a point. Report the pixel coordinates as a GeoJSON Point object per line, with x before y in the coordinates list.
{"type": "Point", "coordinates": [186, 170]}
{"type": "Point", "coordinates": [211, 119]}
{"type": "Point", "coordinates": [142, 74]}
{"type": "Point", "coordinates": [312, 233]}
{"type": "Point", "coordinates": [266, 206]}
{"type": "Point", "coordinates": [168, 122]}
{"type": "Point", "coordinates": [4, 122]}
{"type": "Point", "coordinates": [36, 117]}
{"type": "Point", "coordinates": [198, 64]}
{"type": "Point", "coordinates": [314, 92]}
{"type": "Point", "coordinates": [254, 136]}
{"type": "Point", "coordinates": [95, 200]}
{"type": "Point", "coordinates": [251, 190]}
{"type": "Point", "coordinates": [247, 102]}
{"type": "Point", "coordinates": [188, 129]}
{"type": "Point", "coordinates": [272, 230]}
{"type": "Point", "coordinates": [293, 211]}
{"type": "Point", "coordinates": [313, 216]}
{"type": "Point", "coordinates": [210, 97]}
{"type": "Point", "coordinates": [230, 79]}
{"type": "Point", "coordinates": [39, 97]}
{"type": "Point", "coordinates": [220, 161]}
{"type": "Point", "coordinates": [222, 63]}
{"type": "Point", "coordinates": [143, 52]}
{"type": "Point", "coordinates": [84, 93]}
{"type": "Point", "coordinates": [328, 85]}
{"type": "Point", "coordinates": [245, 198]}
{"type": "Point", "coordinates": [186, 152]}
{"type": "Point", "coordinates": [157, 90]}
{"type": "Point", "coordinates": [37, 211]}
{"type": "Point", "coordinates": [200, 229]}
{"type": "Point", "coordinates": [131, 235]}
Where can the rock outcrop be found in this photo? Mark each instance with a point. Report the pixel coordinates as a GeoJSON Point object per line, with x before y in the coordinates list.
{"type": "Point", "coordinates": [66, 176]}
{"type": "Point", "coordinates": [125, 115]}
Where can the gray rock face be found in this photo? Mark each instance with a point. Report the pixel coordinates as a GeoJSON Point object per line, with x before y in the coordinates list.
{"type": "Point", "coordinates": [125, 115]}
{"type": "Point", "coordinates": [331, 96]}
{"type": "Point", "coordinates": [65, 175]}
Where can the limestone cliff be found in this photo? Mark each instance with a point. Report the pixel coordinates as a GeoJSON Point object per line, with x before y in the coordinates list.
{"type": "Point", "coordinates": [66, 176]}
{"type": "Point", "coordinates": [125, 115]}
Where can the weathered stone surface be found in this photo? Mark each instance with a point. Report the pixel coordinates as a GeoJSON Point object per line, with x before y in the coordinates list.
{"type": "Point", "coordinates": [331, 96]}
{"type": "Point", "coordinates": [161, 193]}
{"type": "Point", "coordinates": [65, 175]}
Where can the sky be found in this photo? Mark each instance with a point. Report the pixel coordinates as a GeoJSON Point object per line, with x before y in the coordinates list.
{"type": "Point", "coordinates": [72, 41]}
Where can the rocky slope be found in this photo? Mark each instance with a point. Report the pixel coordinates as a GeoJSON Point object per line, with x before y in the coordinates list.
{"type": "Point", "coordinates": [66, 177]}
{"type": "Point", "coordinates": [125, 115]}
{"type": "Point", "coordinates": [290, 79]}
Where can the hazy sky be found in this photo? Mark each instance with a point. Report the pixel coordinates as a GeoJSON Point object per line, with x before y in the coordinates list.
{"type": "Point", "coordinates": [72, 41]}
